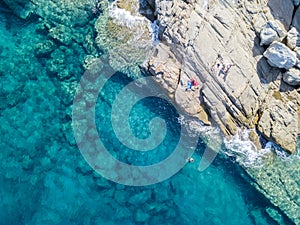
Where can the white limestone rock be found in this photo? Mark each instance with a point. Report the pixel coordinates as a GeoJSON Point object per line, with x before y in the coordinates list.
{"type": "Point", "coordinates": [279, 55]}
{"type": "Point", "coordinates": [270, 32]}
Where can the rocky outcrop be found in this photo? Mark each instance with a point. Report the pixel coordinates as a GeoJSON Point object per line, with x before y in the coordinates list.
{"type": "Point", "coordinates": [276, 113]}
{"type": "Point", "coordinates": [204, 34]}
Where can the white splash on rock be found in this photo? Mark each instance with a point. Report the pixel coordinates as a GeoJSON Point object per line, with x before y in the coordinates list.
{"type": "Point", "coordinates": [243, 150]}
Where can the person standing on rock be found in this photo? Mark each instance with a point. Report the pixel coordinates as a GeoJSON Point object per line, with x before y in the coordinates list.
{"type": "Point", "coordinates": [224, 68]}
{"type": "Point", "coordinates": [227, 67]}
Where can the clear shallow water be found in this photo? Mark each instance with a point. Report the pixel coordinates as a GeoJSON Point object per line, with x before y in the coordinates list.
{"type": "Point", "coordinates": [44, 179]}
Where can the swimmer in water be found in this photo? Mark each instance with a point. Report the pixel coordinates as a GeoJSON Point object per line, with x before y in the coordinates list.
{"type": "Point", "coordinates": [190, 159]}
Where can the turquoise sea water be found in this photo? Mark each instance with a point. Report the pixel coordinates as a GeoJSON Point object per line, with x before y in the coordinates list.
{"type": "Point", "coordinates": [44, 178]}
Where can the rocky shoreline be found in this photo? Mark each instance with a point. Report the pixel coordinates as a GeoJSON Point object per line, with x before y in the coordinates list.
{"type": "Point", "coordinates": [261, 92]}
{"type": "Point", "coordinates": [196, 36]}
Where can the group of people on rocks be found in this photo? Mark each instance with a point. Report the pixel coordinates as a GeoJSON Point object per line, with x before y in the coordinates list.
{"type": "Point", "coordinates": [222, 68]}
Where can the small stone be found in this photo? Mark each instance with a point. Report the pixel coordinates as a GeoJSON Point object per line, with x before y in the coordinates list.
{"type": "Point", "coordinates": [267, 36]}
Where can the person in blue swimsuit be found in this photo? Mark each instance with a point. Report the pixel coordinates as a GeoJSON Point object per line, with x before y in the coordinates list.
{"type": "Point", "coordinates": [189, 85]}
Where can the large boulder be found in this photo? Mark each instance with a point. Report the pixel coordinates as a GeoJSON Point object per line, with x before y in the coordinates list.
{"type": "Point", "coordinates": [270, 32]}
{"type": "Point", "coordinates": [293, 38]}
{"type": "Point", "coordinates": [279, 55]}
{"type": "Point", "coordinates": [71, 13]}
{"type": "Point", "coordinates": [292, 77]}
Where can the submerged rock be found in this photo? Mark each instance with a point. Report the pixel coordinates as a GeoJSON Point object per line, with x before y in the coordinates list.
{"type": "Point", "coordinates": [126, 36]}
{"type": "Point", "coordinates": [44, 49]}
{"type": "Point", "coordinates": [62, 34]}
{"type": "Point", "coordinates": [141, 216]}
{"type": "Point", "coordinates": [280, 56]}
{"type": "Point", "coordinates": [66, 12]}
